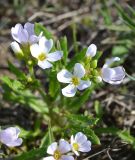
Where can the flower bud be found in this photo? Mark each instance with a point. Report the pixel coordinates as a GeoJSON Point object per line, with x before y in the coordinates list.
{"type": "Point", "coordinates": [16, 48]}
{"type": "Point", "coordinates": [30, 62]}
{"type": "Point", "coordinates": [93, 64]}
{"type": "Point", "coordinates": [95, 72]}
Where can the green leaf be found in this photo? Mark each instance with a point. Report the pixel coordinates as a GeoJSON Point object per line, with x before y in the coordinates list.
{"type": "Point", "coordinates": [82, 119]}
{"type": "Point", "coordinates": [63, 45]}
{"type": "Point", "coordinates": [74, 128]}
{"type": "Point", "coordinates": [15, 91]}
{"type": "Point", "coordinates": [76, 104]}
{"type": "Point", "coordinates": [131, 10]}
{"type": "Point", "coordinates": [105, 11]}
{"type": "Point", "coordinates": [126, 136]}
{"type": "Point", "coordinates": [119, 50]}
{"type": "Point", "coordinates": [93, 137]}
{"type": "Point", "coordinates": [34, 154]}
{"type": "Point", "coordinates": [119, 28]}
{"type": "Point", "coordinates": [127, 19]}
{"type": "Point", "coordinates": [51, 137]}
{"type": "Point", "coordinates": [81, 123]}
{"type": "Point", "coordinates": [13, 84]}
{"type": "Point", "coordinates": [40, 28]}
{"type": "Point", "coordinates": [45, 140]}
{"type": "Point", "coordinates": [98, 109]}
{"type": "Point", "coordinates": [77, 58]}
{"type": "Point", "coordinates": [53, 85]}
{"type": "Point", "coordinates": [19, 74]}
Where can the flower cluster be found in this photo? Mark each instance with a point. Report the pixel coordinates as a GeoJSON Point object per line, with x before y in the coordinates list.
{"type": "Point", "coordinates": [62, 150]}
{"type": "Point", "coordinates": [10, 137]}
{"type": "Point", "coordinates": [85, 73]}
{"type": "Point", "coordinates": [26, 42]}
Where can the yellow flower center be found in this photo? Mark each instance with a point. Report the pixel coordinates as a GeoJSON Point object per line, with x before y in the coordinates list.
{"type": "Point", "coordinates": [75, 146]}
{"type": "Point", "coordinates": [75, 81]}
{"type": "Point", "coordinates": [42, 57]}
{"type": "Point", "coordinates": [57, 155]}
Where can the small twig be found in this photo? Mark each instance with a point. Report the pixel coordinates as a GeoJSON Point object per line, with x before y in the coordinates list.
{"type": "Point", "coordinates": [68, 23]}
{"type": "Point", "coordinates": [39, 14]}
{"type": "Point", "coordinates": [109, 154]}
{"type": "Point", "coordinates": [67, 15]}
{"type": "Point", "coordinates": [128, 95]}
{"type": "Point", "coordinates": [104, 150]}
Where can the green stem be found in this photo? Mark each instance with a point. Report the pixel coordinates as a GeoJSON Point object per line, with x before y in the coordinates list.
{"type": "Point", "coordinates": [74, 38]}
{"type": "Point", "coordinates": [130, 77]}
{"type": "Point", "coordinates": [31, 71]}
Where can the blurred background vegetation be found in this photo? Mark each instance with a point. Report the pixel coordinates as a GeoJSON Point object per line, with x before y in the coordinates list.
{"type": "Point", "coordinates": [107, 23]}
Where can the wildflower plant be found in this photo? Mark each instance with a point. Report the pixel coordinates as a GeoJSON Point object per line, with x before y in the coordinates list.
{"type": "Point", "coordinates": [66, 87]}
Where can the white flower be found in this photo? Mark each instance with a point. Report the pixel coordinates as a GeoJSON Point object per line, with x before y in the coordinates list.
{"type": "Point", "coordinates": [112, 75]}
{"type": "Point", "coordinates": [16, 48]}
{"type": "Point", "coordinates": [91, 51]}
{"type": "Point", "coordinates": [58, 151]}
{"type": "Point", "coordinates": [80, 143]}
{"type": "Point", "coordinates": [10, 138]}
{"type": "Point", "coordinates": [74, 80]}
{"type": "Point", "coordinates": [26, 34]}
{"type": "Point", "coordinates": [41, 52]}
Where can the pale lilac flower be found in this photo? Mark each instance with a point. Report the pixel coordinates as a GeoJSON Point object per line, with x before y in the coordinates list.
{"type": "Point", "coordinates": [91, 51]}
{"type": "Point", "coordinates": [80, 143]}
{"type": "Point", "coordinates": [59, 151]}
{"type": "Point", "coordinates": [112, 75]}
{"type": "Point", "coordinates": [75, 80]}
{"type": "Point", "coordinates": [10, 136]}
{"type": "Point", "coordinates": [26, 34]}
{"type": "Point", "coordinates": [41, 52]}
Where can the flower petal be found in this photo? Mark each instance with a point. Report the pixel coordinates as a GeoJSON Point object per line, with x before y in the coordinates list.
{"type": "Point", "coordinates": [15, 31]}
{"type": "Point", "coordinates": [19, 34]}
{"type": "Point", "coordinates": [52, 148]}
{"type": "Point", "coordinates": [119, 73]}
{"type": "Point", "coordinates": [113, 75]}
{"type": "Point", "coordinates": [33, 39]}
{"type": "Point", "coordinates": [15, 143]}
{"type": "Point", "coordinates": [66, 157]}
{"type": "Point", "coordinates": [17, 130]}
{"type": "Point", "coordinates": [45, 45]}
{"type": "Point", "coordinates": [49, 158]}
{"type": "Point", "coordinates": [35, 50]}
{"type": "Point", "coordinates": [64, 146]}
{"type": "Point", "coordinates": [83, 84]}
{"type": "Point", "coordinates": [110, 61]}
{"type": "Point", "coordinates": [91, 51]}
{"type": "Point", "coordinates": [85, 147]}
{"type": "Point", "coordinates": [76, 153]}
{"type": "Point", "coordinates": [80, 138]}
{"type": "Point", "coordinates": [64, 76]}
{"type": "Point", "coordinates": [72, 140]}
{"type": "Point", "coordinates": [10, 135]}
{"type": "Point", "coordinates": [30, 28]}
{"type": "Point", "coordinates": [79, 70]}
{"type": "Point", "coordinates": [107, 74]}
{"type": "Point", "coordinates": [69, 91]}
{"type": "Point", "coordinates": [55, 56]}
{"type": "Point", "coordinates": [44, 64]}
